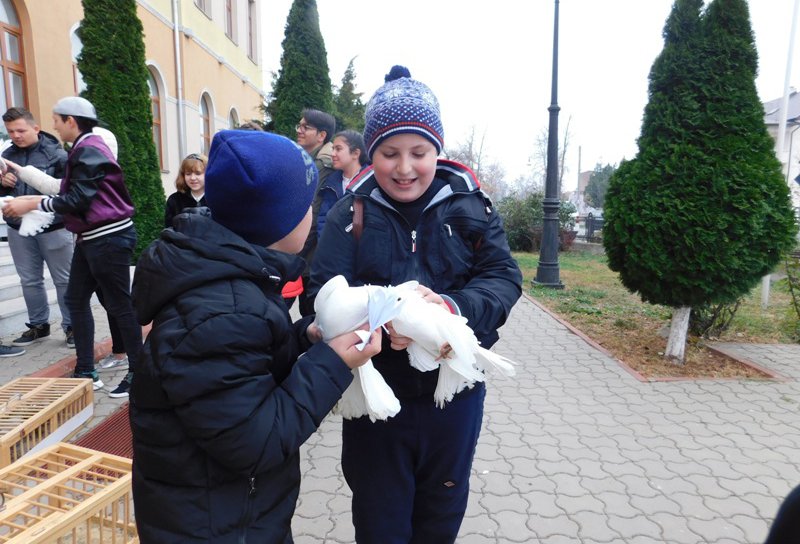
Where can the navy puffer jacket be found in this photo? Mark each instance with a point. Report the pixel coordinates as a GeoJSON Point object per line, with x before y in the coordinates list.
{"type": "Point", "coordinates": [48, 156]}
{"type": "Point", "coordinates": [459, 249]}
{"type": "Point", "coordinates": [220, 402]}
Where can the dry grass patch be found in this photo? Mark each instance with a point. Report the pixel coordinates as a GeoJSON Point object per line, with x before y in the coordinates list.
{"type": "Point", "coordinates": [595, 302]}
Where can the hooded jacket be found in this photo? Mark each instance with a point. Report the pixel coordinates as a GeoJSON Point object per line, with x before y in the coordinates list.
{"type": "Point", "coordinates": [46, 155]}
{"type": "Point", "coordinates": [458, 248]}
{"type": "Point", "coordinates": [220, 402]}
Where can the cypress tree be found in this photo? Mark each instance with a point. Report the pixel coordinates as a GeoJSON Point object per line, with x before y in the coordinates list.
{"type": "Point", "coordinates": [702, 212]}
{"type": "Point", "coordinates": [348, 107]}
{"type": "Point", "coordinates": [112, 63]}
{"type": "Point", "coordinates": [303, 80]}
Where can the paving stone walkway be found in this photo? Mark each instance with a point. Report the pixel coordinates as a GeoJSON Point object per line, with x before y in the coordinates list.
{"type": "Point", "coordinates": [575, 450]}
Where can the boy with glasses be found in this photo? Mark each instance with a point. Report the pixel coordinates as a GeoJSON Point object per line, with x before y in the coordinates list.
{"type": "Point", "coordinates": [314, 134]}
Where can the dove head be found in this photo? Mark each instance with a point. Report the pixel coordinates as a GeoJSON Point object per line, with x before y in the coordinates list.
{"type": "Point", "coordinates": [340, 308]}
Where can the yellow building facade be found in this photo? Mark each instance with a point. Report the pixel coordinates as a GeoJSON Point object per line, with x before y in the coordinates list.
{"type": "Point", "coordinates": [203, 59]}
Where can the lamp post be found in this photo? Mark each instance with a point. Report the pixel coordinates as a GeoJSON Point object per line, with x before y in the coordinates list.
{"type": "Point", "coordinates": [547, 272]}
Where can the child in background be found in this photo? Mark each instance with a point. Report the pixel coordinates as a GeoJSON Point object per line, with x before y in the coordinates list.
{"type": "Point", "coordinates": [191, 185]}
{"type": "Point", "coordinates": [421, 219]}
{"type": "Point", "coordinates": [221, 402]}
{"type": "Point", "coordinates": [349, 158]}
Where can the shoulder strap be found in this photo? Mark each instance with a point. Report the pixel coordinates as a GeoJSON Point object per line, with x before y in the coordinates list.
{"type": "Point", "coordinates": [358, 217]}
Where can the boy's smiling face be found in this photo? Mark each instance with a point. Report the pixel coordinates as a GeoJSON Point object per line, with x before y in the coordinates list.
{"type": "Point", "coordinates": [404, 166]}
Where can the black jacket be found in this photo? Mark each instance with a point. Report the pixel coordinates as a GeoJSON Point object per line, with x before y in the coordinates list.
{"type": "Point", "coordinates": [48, 156]}
{"type": "Point", "coordinates": [459, 249]}
{"type": "Point", "coordinates": [220, 403]}
{"type": "Point", "coordinates": [177, 202]}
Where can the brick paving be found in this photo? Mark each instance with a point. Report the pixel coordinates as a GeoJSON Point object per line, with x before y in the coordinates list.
{"type": "Point", "coordinates": [576, 450]}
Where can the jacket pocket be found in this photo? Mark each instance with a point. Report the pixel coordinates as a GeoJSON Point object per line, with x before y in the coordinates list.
{"type": "Point", "coordinates": [461, 238]}
{"type": "Point", "coordinates": [373, 260]}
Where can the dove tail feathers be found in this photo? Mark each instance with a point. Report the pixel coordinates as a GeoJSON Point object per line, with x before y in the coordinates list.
{"type": "Point", "coordinates": [352, 404]}
{"type": "Point", "coordinates": [486, 359]}
{"type": "Point", "coordinates": [450, 382]}
{"type": "Point", "coordinates": [368, 395]}
{"type": "Point", "coordinates": [380, 400]}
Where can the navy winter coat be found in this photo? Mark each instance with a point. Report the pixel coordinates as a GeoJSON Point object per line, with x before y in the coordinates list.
{"type": "Point", "coordinates": [220, 403]}
{"type": "Point", "coordinates": [48, 156]}
{"type": "Point", "coordinates": [459, 249]}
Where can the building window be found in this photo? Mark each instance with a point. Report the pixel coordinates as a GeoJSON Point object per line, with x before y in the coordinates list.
{"type": "Point", "coordinates": [12, 63]}
{"type": "Point", "coordinates": [233, 119]}
{"type": "Point", "coordinates": [76, 46]}
{"type": "Point", "coordinates": [252, 19]}
{"type": "Point", "coordinates": [204, 5]}
{"type": "Point", "coordinates": [206, 118]}
{"type": "Point", "coordinates": [230, 19]}
{"type": "Point", "coordinates": [155, 103]}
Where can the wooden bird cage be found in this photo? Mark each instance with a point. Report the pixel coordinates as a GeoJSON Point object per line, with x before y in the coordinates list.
{"type": "Point", "coordinates": [38, 412]}
{"type": "Point", "coordinates": [67, 495]}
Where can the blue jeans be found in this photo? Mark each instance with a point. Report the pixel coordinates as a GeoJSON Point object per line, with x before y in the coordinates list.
{"type": "Point", "coordinates": [103, 263]}
{"type": "Point", "coordinates": [29, 254]}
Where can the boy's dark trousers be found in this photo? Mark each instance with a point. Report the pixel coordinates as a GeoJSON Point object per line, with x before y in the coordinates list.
{"type": "Point", "coordinates": [786, 527]}
{"type": "Point", "coordinates": [103, 263]}
{"type": "Point", "coordinates": [410, 474]}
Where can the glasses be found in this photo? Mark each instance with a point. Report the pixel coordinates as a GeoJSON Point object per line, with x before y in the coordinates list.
{"type": "Point", "coordinates": [301, 127]}
{"type": "Point", "coordinates": [194, 156]}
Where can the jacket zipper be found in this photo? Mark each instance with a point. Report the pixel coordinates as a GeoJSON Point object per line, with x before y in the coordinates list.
{"type": "Point", "coordinates": [251, 490]}
{"type": "Point", "coordinates": [413, 241]}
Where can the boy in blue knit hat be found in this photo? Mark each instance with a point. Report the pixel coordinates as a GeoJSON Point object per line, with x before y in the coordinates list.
{"type": "Point", "coordinates": [408, 217]}
{"type": "Point", "coordinates": [221, 402]}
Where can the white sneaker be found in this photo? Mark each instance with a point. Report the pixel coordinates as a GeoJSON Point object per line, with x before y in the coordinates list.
{"type": "Point", "coordinates": [109, 362]}
{"type": "Point", "coordinates": [97, 383]}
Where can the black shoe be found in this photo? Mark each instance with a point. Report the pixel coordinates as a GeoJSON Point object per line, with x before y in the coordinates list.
{"type": "Point", "coordinates": [33, 333]}
{"type": "Point", "coordinates": [70, 337]}
{"type": "Point", "coordinates": [8, 351]}
{"type": "Point", "coordinates": [121, 392]}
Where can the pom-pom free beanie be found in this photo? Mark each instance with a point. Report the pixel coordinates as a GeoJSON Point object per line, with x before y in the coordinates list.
{"type": "Point", "coordinates": [402, 105]}
{"type": "Point", "coordinates": [258, 184]}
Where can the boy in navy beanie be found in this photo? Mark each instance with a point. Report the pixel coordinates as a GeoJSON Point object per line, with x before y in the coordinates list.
{"type": "Point", "coordinates": [424, 219]}
{"type": "Point", "coordinates": [221, 402]}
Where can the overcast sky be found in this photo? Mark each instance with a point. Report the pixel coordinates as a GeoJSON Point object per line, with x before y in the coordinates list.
{"type": "Point", "coordinates": [490, 64]}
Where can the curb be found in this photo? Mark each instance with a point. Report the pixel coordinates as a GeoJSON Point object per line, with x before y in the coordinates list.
{"type": "Point", "coordinates": [771, 374]}
{"type": "Point", "coordinates": [64, 367]}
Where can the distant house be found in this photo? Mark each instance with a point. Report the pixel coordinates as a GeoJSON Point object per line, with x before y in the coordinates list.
{"type": "Point", "coordinates": [791, 152]}
{"type": "Point", "coordinates": [577, 197]}
{"type": "Point", "coordinates": [203, 60]}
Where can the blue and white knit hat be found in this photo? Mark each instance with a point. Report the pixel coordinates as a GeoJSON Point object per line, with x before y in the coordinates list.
{"type": "Point", "coordinates": [402, 105]}
{"type": "Point", "coordinates": [258, 184]}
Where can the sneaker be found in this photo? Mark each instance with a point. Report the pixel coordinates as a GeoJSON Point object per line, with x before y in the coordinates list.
{"type": "Point", "coordinates": [109, 361]}
{"type": "Point", "coordinates": [70, 337]}
{"type": "Point", "coordinates": [121, 392]}
{"type": "Point", "coordinates": [33, 333]}
{"type": "Point", "coordinates": [9, 351]}
{"type": "Point", "coordinates": [97, 383]}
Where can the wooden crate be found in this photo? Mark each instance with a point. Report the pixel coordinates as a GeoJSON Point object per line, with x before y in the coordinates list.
{"type": "Point", "coordinates": [67, 495]}
{"type": "Point", "coordinates": [38, 412]}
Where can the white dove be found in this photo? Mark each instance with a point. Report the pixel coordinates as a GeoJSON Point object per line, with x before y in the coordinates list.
{"type": "Point", "coordinates": [339, 309]}
{"type": "Point", "coordinates": [444, 340]}
{"type": "Point", "coordinates": [34, 221]}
